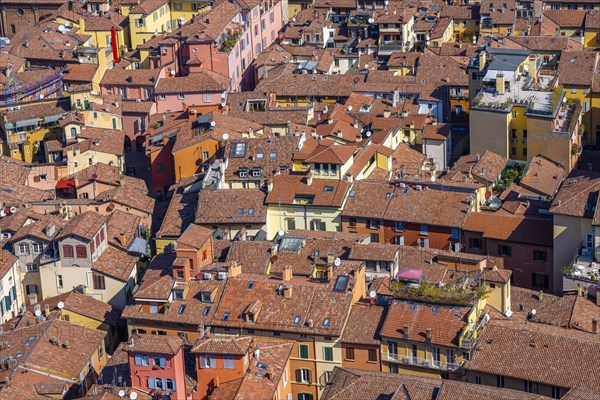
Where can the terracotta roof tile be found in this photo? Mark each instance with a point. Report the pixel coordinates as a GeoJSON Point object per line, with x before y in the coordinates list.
{"type": "Point", "coordinates": [511, 348]}
{"type": "Point", "coordinates": [445, 322]}
{"type": "Point", "coordinates": [364, 324]}
{"type": "Point", "coordinates": [322, 192]}
{"type": "Point", "coordinates": [575, 196]}
{"type": "Point", "coordinates": [141, 343]}
{"type": "Point", "coordinates": [84, 225]}
{"type": "Point", "coordinates": [195, 236]}
{"type": "Point", "coordinates": [542, 176]}
{"type": "Point", "coordinates": [115, 263]}
{"type": "Point", "coordinates": [228, 346]}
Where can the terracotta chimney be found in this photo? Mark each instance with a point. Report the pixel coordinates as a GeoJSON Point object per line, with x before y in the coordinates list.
{"type": "Point", "coordinates": [287, 291]}
{"type": "Point", "coordinates": [541, 296]}
{"type": "Point", "coordinates": [594, 325]}
{"type": "Point", "coordinates": [46, 309]}
{"type": "Point", "coordinates": [287, 273]}
{"type": "Point", "coordinates": [122, 239]}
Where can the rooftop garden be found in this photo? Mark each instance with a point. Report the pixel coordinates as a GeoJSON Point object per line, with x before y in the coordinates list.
{"type": "Point", "coordinates": [229, 42]}
{"type": "Point", "coordinates": [446, 294]}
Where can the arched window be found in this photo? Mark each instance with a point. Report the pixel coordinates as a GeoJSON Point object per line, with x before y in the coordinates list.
{"type": "Point", "coordinates": [73, 132]}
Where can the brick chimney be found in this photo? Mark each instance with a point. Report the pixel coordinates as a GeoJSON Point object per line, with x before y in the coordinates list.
{"type": "Point", "coordinates": [287, 291]}
{"type": "Point", "coordinates": [287, 273]}
{"type": "Point", "coordinates": [595, 325]}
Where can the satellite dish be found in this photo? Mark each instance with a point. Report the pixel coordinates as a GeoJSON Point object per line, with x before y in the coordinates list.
{"type": "Point", "coordinates": [349, 108]}
{"type": "Point", "coordinates": [62, 29]}
{"type": "Point", "coordinates": [38, 313]}
{"type": "Point", "coordinates": [369, 133]}
{"type": "Point", "coordinates": [2, 213]}
{"type": "Point", "coordinates": [488, 194]}
{"type": "Point", "coordinates": [213, 123]}
{"type": "Point", "coordinates": [281, 232]}
{"type": "Point", "coordinates": [133, 395]}
{"type": "Point", "coordinates": [533, 312]}
{"type": "Point", "coordinates": [432, 178]}
{"type": "Point", "coordinates": [225, 136]}
{"type": "Point", "coordinates": [61, 305]}
{"type": "Point", "coordinates": [405, 140]}
{"type": "Point", "coordinates": [371, 20]}
{"type": "Point", "coordinates": [366, 66]}
{"type": "Point", "coordinates": [223, 104]}
{"type": "Point", "coordinates": [13, 209]}
{"type": "Point", "coordinates": [337, 262]}
{"type": "Point", "coordinates": [121, 393]}
{"type": "Point", "coordinates": [372, 294]}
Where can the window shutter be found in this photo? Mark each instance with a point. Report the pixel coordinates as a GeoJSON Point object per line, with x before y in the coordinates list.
{"type": "Point", "coordinates": [213, 362]}
{"type": "Point", "coordinates": [298, 376]}
{"type": "Point", "coordinates": [151, 384]}
{"type": "Point", "coordinates": [174, 385]}
{"type": "Point", "coordinates": [163, 362]}
{"type": "Point", "coordinates": [138, 359]}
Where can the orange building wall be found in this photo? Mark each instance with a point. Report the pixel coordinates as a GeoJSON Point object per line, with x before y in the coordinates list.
{"type": "Point", "coordinates": [361, 357]}
{"type": "Point", "coordinates": [189, 161]}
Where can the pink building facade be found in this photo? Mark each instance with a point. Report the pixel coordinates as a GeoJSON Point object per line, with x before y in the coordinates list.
{"type": "Point", "coordinates": [258, 27]}
{"type": "Point", "coordinates": [157, 368]}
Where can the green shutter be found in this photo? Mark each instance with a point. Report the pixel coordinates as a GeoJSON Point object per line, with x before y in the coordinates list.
{"type": "Point", "coordinates": [303, 351]}
{"type": "Point", "coordinates": [328, 353]}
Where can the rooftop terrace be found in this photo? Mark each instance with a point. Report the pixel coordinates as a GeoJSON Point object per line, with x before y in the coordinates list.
{"type": "Point", "coordinates": [541, 98]}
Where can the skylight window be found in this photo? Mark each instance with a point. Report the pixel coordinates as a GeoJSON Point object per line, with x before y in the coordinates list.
{"type": "Point", "coordinates": [239, 149]}
{"type": "Point", "coordinates": [250, 285]}
{"type": "Point", "coordinates": [251, 211]}
{"type": "Point", "coordinates": [326, 322]}
{"type": "Point", "coordinates": [352, 193]}
{"type": "Point", "coordinates": [328, 189]}
{"type": "Point", "coordinates": [206, 311]}
{"type": "Point", "coordinates": [181, 309]}
{"type": "Point", "coordinates": [297, 320]}
{"type": "Point", "coordinates": [225, 316]}
{"type": "Point", "coordinates": [341, 283]}
{"type": "Point", "coordinates": [273, 155]}
{"type": "Point", "coordinates": [240, 212]}
{"type": "Point", "coordinates": [260, 156]}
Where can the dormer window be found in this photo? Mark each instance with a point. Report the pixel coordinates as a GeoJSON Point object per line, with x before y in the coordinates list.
{"type": "Point", "coordinates": [243, 173]}
{"type": "Point", "coordinates": [256, 173]}
{"type": "Point", "coordinates": [206, 297]}
{"type": "Point", "coordinates": [365, 108]}
{"type": "Point", "coordinates": [178, 294]}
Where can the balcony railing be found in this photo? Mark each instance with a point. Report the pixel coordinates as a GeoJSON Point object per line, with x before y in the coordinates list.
{"type": "Point", "coordinates": [420, 362]}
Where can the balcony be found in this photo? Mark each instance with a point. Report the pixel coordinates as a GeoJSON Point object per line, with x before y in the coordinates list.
{"type": "Point", "coordinates": [420, 362]}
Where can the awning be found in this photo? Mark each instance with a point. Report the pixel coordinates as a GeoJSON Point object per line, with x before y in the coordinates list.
{"type": "Point", "coordinates": [407, 274]}
{"type": "Point", "coordinates": [66, 184]}
{"type": "Point", "coordinates": [138, 246]}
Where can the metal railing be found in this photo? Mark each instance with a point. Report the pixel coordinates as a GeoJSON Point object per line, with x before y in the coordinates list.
{"type": "Point", "coordinates": [420, 362]}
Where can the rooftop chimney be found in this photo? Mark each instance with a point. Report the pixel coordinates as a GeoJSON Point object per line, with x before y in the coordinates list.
{"type": "Point", "coordinates": [428, 333]}
{"type": "Point", "coordinates": [594, 325]}
{"type": "Point", "coordinates": [287, 273]}
{"type": "Point", "coordinates": [235, 269]}
{"type": "Point", "coordinates": [287, 291]}
{"type": "Point", "coordinates": [309, 178]}
{"type": "Point", "coordinates": [122, 239]}
{"type": "Point", "coordinates": [405, 329]}
{"type": "Point", "coordinates": [386, 113]}
{"type": "Point", "coordinates": [541, 296]}
{"type": "Point", "coordinates": [46, 309]}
